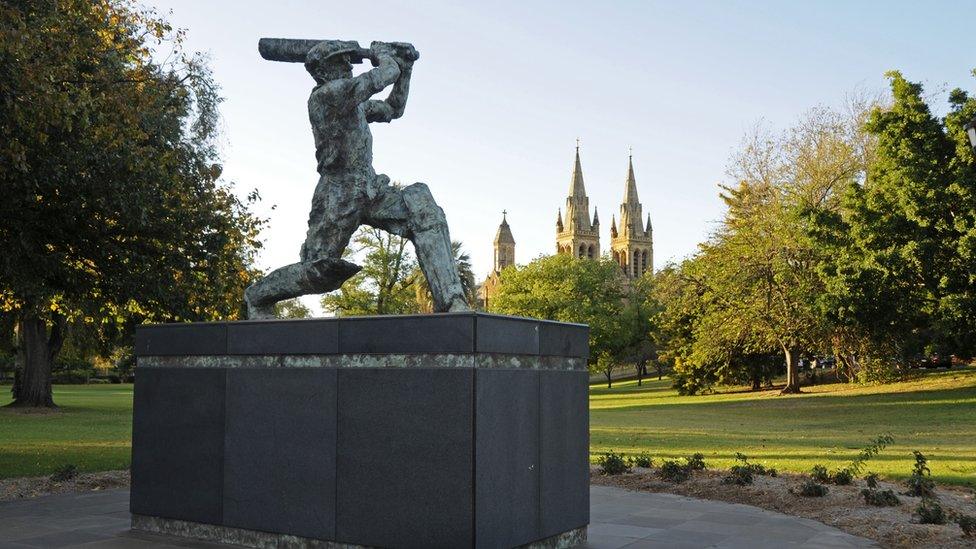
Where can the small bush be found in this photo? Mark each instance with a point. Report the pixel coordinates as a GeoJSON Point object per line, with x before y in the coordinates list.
{"type": "Point", "coordinates": [697, 462]}
{"type": "Point", "coordinates": [920, 484]}
{"type": "Point", "coordinates": [819, 474]}
{"type": "Point", "coordinates": [673, 471]}
{"type": "Point", "coordinates": [872, 480]}
{"type": "Point", "coordinates": [842, 478]}
{"type": "Point", "coordinates": [810, 489]}
{"type": "Point", "coordinates": [642, 459]}
{"type": "Point", "coordinates": [612, 463]}
{"type": "Point", "coordinates": [968, 525]}
{"type": "Point", "coordinates": [739, 475]}
{"type": "Point", "coordinates": [880, 498]}
{"type": "Point", "coordinates": [64, 473]}
{"type": "Point", "coordinates": [873, 449]}
{"type": "Point", "coordinates": [930, 512]}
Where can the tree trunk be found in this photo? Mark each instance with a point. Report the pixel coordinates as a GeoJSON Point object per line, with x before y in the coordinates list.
{"type": "Point", "coordinates": [792, 371]}
{"type": "Point", "coordinates": [609, 379]}
{"type": "Point", "coordinates": [640, 372]}
{"type": "Point", "coordinates": [39, 349]}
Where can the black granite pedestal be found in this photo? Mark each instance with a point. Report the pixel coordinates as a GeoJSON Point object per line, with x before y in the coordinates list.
{"type": "Point", "coordinates": [450, 430]}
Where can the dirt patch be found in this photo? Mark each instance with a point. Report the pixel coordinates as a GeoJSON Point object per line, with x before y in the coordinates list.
{"type": "Point", "coordinates": [32, 487]}
{"type": "Point", "coordinates": [842, 507]}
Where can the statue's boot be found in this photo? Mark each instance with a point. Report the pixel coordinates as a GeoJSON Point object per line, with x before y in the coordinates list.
{"type": "Point", "coordinates": [313, 277]}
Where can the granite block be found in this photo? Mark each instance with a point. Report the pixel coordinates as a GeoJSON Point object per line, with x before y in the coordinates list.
{"type": "Point", "coordinates": [404, 472]}
{"type": "Point", "coordinates": [279, 451]}
{"type": "Point", "coordinates": [499, 334]}
{"type": "Point", "coordinates": [561, 339]}
{"type": "Point", "coordinates": [442, 333]}
{"type": "Point", "coordinates": [565, 479]}
{"type": "Point", "coordinates": [292, 337]}
{"type": "Point", "coordinates": [507, 458]}
{"type": "Point", "coordinates": [178, 443]}
{"type": "Point", "coordinates": [201, 338]}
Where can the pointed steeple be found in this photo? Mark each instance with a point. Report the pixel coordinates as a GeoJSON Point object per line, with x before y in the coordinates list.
{"type": "Point", "coordinates": [647, 229]}
{"type": "Point", "coordinates": [504, 233]}
{"type": "Point", "coordinates": [613, 226]}
{"type": "Point", "coordinates": [559, 220]}
{"type": "Point", "coordinates": [630, 194]}
{"type": "Point", "coordinates": [576, 188]}
{"type": "Point", "coordinates": [596, 217]}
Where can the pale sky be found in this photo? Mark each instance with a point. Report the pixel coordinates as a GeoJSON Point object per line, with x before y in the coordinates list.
{"type": "Point", "coordinates": [503, 89]}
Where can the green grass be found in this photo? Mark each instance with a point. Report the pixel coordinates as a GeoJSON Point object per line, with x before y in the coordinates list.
{"type": "Point", "coordinates": [93, 432]}
{"type": "Point", "coordinates": [829, 424]}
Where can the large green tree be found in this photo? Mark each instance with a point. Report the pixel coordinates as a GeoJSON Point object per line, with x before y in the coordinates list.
{"type": "Point", "coordinates": [562, 287]}
{"type": "Point", "coordinates": [385, 285]}
{"type": "Point", "coordinates": [113, 212]}
{"type": "Point", "coordinates": [903, 281]}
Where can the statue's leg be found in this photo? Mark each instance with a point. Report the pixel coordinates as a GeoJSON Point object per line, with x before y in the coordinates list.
{"type": "Point", "coordinates": [334, 217]}
{"type": "Point", "coordinates": [411, 212]}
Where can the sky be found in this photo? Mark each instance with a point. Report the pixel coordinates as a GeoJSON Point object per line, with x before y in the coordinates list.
{"type": "Point", "coordinates": [503, 89]}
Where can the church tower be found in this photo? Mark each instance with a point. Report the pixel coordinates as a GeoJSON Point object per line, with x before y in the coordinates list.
{"type": "Point", "coordinates": [504, 257]}
{"type": "Point", "coordinates": [578, 235]}
{"type": "Point", "coordinates": [633, 244]}
{"type": "Point", "coordinates": [504, 245]}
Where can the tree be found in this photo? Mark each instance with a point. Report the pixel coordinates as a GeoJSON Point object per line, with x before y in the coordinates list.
{"type": "Point", "coordinates": [564, 288]}
{"type": "Point", "coordinates": [292, 309]}
{"type": "Point", "coordinates": [385, 284]}
{"type": "Point", "coordinates": [904, 279]}
{"type": "Point", "coordinates": [424, 300]}
{"type": "Point", "coordinates": [113, 210]}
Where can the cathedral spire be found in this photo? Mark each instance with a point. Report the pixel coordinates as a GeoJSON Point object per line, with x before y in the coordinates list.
{"type": "Point", "coordinates": [576, 188]}
{"type": "Point", "coordinates": [630, 194]}
{"type": "Point", "coordinates": [613, 226]}
{"type": "Point", "coordinates": [647, 229]}
{"type": "Point", "coordinates": [596, 217]}
{"type": "Point", "coordinates": [559, 220]}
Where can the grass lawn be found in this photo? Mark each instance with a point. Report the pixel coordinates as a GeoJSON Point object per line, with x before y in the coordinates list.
{"type": "Point", "coordinates": [829, 424]}
{"type": "Point", "coordinates": [935, 414]}
{"type": "Point", "coordinates": [93, 432]}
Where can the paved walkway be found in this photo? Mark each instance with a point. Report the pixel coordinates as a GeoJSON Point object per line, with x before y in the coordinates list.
{"type": "Point", "coordinates": [618, 519]}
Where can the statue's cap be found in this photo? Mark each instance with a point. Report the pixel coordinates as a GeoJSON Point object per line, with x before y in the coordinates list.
{"type": "Point", "coordinates": [330, 48]}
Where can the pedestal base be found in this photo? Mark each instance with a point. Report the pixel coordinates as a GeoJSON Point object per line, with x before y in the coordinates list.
{"type": "Point", "coordinates": [454, 430]}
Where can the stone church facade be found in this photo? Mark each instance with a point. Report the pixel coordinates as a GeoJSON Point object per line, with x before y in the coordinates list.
{"type": "Point", "coordinates": [631, 241]}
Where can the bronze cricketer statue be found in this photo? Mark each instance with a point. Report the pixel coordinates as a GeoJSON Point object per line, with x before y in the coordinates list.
{"type": "Point", "coordinates": [349, 193]}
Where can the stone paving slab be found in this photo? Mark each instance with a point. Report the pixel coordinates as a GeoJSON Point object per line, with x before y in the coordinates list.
{"type": "Point", "coordinates": [619, 519]}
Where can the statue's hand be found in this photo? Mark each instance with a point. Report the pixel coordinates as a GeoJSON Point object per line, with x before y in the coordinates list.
{"type": "Point", "coordinates": [382, 49]}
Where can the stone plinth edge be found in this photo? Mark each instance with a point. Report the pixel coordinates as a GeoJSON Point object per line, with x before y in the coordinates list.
{"type": "Point", "coordinates": [268, 540]}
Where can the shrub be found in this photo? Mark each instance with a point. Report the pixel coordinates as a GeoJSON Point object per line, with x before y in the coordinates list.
{"type": "Point", "coordinates": [968, 525]}
{"type": "Point", "coordinates": [612, 463]}
{"type": "Point", "coordinates": [872, 480]}
{"type": "Point", "coordinates": [819, 474]}
{"type": "Point", "coordinates": [642, 459]}
{"type": "Point", "coordinates": [739, 475]}
{"type": "Point", "coordinates": [842, 478]}
{"type": "Point", "coordinates": [873, 449]}
{"type": "Point", "coordinates": [673, 471]}
{"type": "Point", "coordinates": [930, 512]}
{"type": "Point", "coordinates": [920, 484]}
{"type": "Point", "coordinates": [697, 462]}
{"type": "Point", "coordinates": [71, 377]}
{"type": "Point", "coordinates": [880, 498]}
{"type": "Point", "coordinates": [810, 489]}
{"type": "Point", "coordinates": [64, 473]}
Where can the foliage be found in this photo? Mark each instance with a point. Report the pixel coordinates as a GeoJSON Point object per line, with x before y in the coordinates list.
{"type": "Point", "coordinates": [292, 308]}
{"type": "Point", "coordinates": [642, 459]}
{"type": "Point", "coordinates": [65, 473]}
{"type": "Point", "coordinates": [612, 463]}
{"type": "Point", "coordinates": [113, 210]}
{"type": "Point", "coordinates": [930, 511]}
{"type": "Point", "coordinates": [819, 474]}
{"type": "Point", "coordinates": [873, 449]}
{"type": "Point", "coordinates": [810, 489]}
{"type": "Point", "coordinates": [674, 471]}
{"type": "Point", "coordinates": [742, 472]}
{"type": "Point", "coordinates": [696, 462]}
{"type": "Point", "coordinates": [385, 284]}
{"type": "Point", "coordinates": [880, 498]}
{"type": "Point", "coordinates": [562, 287]}
{"type": "Point", "coordinates": [871, 479]}
{"type": "Point", "coordinates": [842, 477]}
{"type": "Point", "coordinates": [920, 483]}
